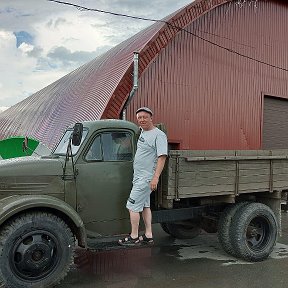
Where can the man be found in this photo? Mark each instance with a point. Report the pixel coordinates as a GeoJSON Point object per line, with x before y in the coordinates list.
{"type": "Point", "coordinates": [149, 162]}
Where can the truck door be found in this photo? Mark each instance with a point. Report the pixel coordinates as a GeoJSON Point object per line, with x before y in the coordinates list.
{"type": "Point", "coordinates": [104, 182]}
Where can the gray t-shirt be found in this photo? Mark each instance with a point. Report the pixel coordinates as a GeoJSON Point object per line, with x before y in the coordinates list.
{"type": "Point", "coordinates": [151, 144]}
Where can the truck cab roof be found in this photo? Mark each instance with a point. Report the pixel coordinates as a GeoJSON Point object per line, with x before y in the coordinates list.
{"type": "Point", "coordinates": [109, 123]}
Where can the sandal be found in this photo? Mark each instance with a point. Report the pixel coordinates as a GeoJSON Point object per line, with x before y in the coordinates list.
{"type": "Point", "coordinates": [129, 241]}
{"type": "Point", "coordinates": [145, 240]}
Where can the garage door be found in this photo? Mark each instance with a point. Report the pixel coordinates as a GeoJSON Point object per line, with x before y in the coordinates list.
{"type": "Point", "coordinates": [275, 123]}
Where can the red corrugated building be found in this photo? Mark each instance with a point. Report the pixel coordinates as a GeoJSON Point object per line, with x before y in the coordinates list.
{"type": "Point", "coordinates": [216, 73]}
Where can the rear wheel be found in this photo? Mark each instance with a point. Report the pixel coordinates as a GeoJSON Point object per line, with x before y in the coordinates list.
{"type": "Point", "coordinates": [182, 230]}
{"type": "Point", "coordinates": [224, 226]}
{"type": "Point", "coordinates": [36, 250]}
{"type": "Point", "coordinates": [164, 227]}
{"type": "Point", "coordinates": [254, 232]}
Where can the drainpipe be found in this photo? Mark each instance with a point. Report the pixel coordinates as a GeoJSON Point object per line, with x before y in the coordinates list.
{"type": "Point", "coordinates": [135, 84]}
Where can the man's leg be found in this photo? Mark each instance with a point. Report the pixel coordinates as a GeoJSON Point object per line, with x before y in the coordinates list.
{"type": "Point", "coordinates": [139, 198]}
{"type": "Point", "coordinates": [147, 217]}
{"type": "Point", "coordinates": [134, 219]}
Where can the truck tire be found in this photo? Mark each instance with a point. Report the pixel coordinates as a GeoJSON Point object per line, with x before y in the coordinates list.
{"type": "Point", "coordinates": [164, 227]}
{"type": "Point", "coordinates": [36, 250]}
{"type": "Point", "coordinates": [224, 226]}
{"type": "Point", "coordinates": [183, 229]}
{"type": "Point", "coordinates": [254, 232]}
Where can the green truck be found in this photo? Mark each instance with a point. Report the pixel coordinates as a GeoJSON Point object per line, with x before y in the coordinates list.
{"type": "Point", "coordinates": [52, 203]}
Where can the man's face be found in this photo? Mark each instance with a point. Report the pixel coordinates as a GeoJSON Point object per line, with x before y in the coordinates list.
{"type": "Point", "coordinates": [144, 120]}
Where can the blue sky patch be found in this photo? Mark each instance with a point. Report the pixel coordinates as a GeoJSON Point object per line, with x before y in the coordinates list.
{"type": "Point", "coordinates": [23, 37]}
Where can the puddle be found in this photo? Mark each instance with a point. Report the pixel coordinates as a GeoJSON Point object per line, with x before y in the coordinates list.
{"type": "Point", "coordinates": [111, 263]}
{"type": "Point", "coordinates": [201, 247]}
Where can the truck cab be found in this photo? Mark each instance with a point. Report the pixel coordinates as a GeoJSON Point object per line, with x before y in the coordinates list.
{"type": "Point", "coordinates": [49, 202]}
{"type": "Point", "coordinates": [103, 174]}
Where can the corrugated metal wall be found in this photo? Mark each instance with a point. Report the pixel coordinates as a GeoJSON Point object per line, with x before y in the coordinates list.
{"type": "Point", "coordinates": [208, 97]}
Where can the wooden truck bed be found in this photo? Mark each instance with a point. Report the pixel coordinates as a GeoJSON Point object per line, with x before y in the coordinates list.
{"type": "Point", "coordinates": [203, 173]}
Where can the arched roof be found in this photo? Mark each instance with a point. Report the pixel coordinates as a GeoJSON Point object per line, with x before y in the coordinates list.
{"type": "Point", "coordinates": [99, 88]}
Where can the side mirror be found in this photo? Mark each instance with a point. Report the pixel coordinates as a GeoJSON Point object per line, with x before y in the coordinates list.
{"type": "Point", "coordinates": [77, 134]}
{"type": "Point", "coordinates": [25, 144]}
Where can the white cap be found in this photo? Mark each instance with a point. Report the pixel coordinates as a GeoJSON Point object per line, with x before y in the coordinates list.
{"type": "Point", "coordinates": [145, 109]}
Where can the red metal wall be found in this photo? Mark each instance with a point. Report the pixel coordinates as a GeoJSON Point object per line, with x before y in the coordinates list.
{"type": "Point", "coordinates": [208, 97]}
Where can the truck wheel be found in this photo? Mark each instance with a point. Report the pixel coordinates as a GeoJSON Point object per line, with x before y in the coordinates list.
{"type": "Point", "coordinates": [254, 232]}
{"type": "Point", "coordinates": [224, 226]}
{"type": "Point", "coordinates": [36, 250]}
{"type": "Point", "coordinates": [164, 227]}
{"type": "Point", "coordinates": [183, 229]}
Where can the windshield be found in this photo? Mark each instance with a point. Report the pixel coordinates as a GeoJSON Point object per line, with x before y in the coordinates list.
{"type": "Point", "coordinates": [62, 146]}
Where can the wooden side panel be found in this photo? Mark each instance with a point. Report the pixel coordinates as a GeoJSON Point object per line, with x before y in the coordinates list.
{"type": "Point", "coordinates": [280, 174]}
{"type": "Point", "coordinates": [167, 193]}
{"type": "Point", "coordinates": [224, 173]}
{"type": "Point", "coordinates": [201, 178]}
{"type": "Point", "coordinates": [254, 175]}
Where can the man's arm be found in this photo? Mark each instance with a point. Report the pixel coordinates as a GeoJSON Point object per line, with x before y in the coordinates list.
{"type": "Point", "coordinates": [159, 167]}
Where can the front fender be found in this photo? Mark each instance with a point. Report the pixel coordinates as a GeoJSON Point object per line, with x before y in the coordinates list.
{"type": "Point", "coordinates": [13, 205]}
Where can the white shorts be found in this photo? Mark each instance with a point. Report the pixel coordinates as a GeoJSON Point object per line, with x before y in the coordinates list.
{"type": "Point", "coordinates": [140, 196]}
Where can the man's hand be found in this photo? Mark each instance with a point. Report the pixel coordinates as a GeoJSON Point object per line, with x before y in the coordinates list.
{"type": "Point", "coordinates": [159, 167]}
{"type": "Point", "coordinates": [154, 183]}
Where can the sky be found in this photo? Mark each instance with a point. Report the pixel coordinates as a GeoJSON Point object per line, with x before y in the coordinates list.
{"type": "Point", "coordinates": [41, 41]}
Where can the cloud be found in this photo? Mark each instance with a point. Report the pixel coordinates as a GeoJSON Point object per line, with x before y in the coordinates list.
{"type": "Point", "coordinates": [3, 108]}
{"type": "Point", "coordinates": [36, 52]}
{"type": "Point", "coordinates": [41, 41]}
{"type": "Point", "coordinates": [65, 57]}
{"type": "Point", "coordinates": [55, 23]}
{"type": "Point", "coordinates": [26, 48]}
